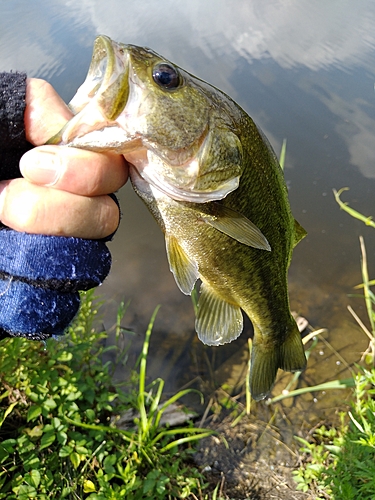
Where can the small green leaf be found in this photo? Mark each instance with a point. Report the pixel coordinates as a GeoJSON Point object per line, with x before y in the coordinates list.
{"type": "Point", "coordinates": [75, 459]}
{"type": "Point", "coordinates": [7, 412]}
{"type": "Point", "coordinates": [32, 396]}
{"type": "Point", "coordinates": [34, 432]}
{"type": "Point", "coordinates": [65, 451]}
{"type": "Point", "coordinates": [67, 490]}
{"type": "Point", "coordinates": [33, 412]}
{"type": "Point", "coordinates": [160, 485]}
{"type": "Point", "coordinates": [4, 395]}
{"type": "Point", "coordinates": [148, 485]}
{"type": "Point", "coordinates": [72, 396]}
{"type": "Point", "coordinates": [88, 486]}
{"type": "Point", "coordinates": [49, 404]}
{"type": "Point", "coordinates": [56, 423]}
{"type": "Point", "coordinates": [24, 444]}
{"type": "Point", "coordinates": [108, 464]}
{"type": "Point", "coordinates": [65, 356]}
{"type": "Point", "coordinates": [62, 382]}
{"type": "Point", "coordinates": [47, 440]}
{"type": "Point", "coordinates": [62, 437]}
{"type": "Point", "coordinates": [33, 478]}
{"type": "Point", "coordinates": [4, 454]}
{"type": "Point", "coordinates": [41, 388]}
{"type": "Point", "coordinates": [81, 450]}
{"type": "Point", "coordinates": [31, 462]}
{"type": "Point", "coordinates": [90, 414]}
{"type": "Point", "coordinates": [9, 445]}
{"type": "Point", "coordinates": [25, 492]}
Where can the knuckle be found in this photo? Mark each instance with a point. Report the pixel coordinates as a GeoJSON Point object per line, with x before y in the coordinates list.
{"type": "Point", "coordinates": [109, 216]}
{"type": "Point", "coordinates": [19, 207]}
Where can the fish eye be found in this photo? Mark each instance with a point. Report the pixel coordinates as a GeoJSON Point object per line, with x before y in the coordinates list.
{"type": "Point", "coordinates": [166, 76]}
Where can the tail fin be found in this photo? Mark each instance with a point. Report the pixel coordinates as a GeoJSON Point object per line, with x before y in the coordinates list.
{"type": "Point", "coordinates": [266, 359]}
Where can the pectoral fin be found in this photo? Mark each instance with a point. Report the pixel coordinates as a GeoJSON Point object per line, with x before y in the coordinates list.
{"type": "Point", "coordinates": [237, 226]}
{"type": "Point", "coordinates": [184, 269]}
{"type": "Point", "coordinates": [218, 322]}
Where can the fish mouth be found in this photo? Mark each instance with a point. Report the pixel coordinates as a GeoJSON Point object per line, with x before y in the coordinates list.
{"type": "Point", "coordinates": [99, 101]}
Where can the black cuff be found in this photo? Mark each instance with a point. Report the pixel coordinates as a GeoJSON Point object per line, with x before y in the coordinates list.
{"type": "Point", "coordinates": [13, 143]}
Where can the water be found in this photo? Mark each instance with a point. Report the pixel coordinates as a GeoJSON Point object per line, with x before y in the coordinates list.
{"type": "Point", "coordinates": [304, 71]}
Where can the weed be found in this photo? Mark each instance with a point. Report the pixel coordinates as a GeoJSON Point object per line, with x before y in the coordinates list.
{"type": "Point", "coordinates": [58, 438]}
{"type": "Point", "coordinates": [339, 463]}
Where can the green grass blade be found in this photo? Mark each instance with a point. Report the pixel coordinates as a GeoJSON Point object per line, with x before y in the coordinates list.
{"type": "Point", "coordinates": [344, 206]}
{"type": "Point", "coordinates": [366, 287]}
{"type": "Point", "coordinates": [142, 374]}
{"type": "Point", "coordinates": [177, 442]}
{"type": "Point", "coordinates": [282, 154]}
{"type": "Point", "coordinates": [156, 400]}
{"type": "Point", "coordinates": [173, 399]}
{"type": "Point", "coordinates": [8, 411]}
{"type": "Point", "coordinates": [127, 435]}
{"type": "Point", "coordinates": [182, 430]}
{"type": "Point", "coordinates": [333, 384]}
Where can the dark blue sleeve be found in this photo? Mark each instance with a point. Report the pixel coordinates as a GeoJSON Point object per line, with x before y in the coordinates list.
{"type": "Point", "coordinates": [40, 276]}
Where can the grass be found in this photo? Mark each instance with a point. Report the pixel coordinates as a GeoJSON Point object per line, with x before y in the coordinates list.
{"type": "Point", "coordinates": [58, 438]}
{"type": "Point", "coordinates": [339, 462]}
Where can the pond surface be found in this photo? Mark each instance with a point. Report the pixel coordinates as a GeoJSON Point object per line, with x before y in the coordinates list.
{"type": "Point", "coordinates": [304, 71]}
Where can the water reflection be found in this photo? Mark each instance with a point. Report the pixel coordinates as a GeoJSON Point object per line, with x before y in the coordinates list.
{"type": "Point", "coordinates": [300, 32]}
{"type": "Point", "coordinates": [303, 70]}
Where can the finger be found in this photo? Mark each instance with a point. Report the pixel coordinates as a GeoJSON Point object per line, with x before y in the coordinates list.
{"type": "Point", "coordinates": [37, 209]}
{"type": "Point", "coordinates": [45, 113]}
{"type": "Point", "coordinates": [74, 170]}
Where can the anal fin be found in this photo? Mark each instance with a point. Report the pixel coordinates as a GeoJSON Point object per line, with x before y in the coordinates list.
{"type": "Point", "coordinates": [218, 322]}
{"type": "Point", "coordinates": [184, 269]}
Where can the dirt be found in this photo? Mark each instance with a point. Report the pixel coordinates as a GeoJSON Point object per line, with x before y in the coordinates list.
{"type": "Point", "coordinates": [253, 456]}
{"type": "Point", "coordinates": [249, 460]}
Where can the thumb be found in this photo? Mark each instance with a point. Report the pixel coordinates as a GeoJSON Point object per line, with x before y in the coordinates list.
{"type": "Point", "coordinates": [45, 114]}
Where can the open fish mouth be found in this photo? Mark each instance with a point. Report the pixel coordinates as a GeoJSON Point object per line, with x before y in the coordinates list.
{"type": "Point", "coordinates": [111, 115]}
{"type": "Point", "coordinates": [98, 103]}
{"type": "Point", "coordinates": [107, 76]}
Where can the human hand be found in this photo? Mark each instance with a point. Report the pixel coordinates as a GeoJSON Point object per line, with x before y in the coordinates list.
{"type": "Point", "coordinates": [64, 190]}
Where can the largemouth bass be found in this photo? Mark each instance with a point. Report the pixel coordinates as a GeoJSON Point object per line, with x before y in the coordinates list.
{"type": "Point", "coordinates": [213, 183]}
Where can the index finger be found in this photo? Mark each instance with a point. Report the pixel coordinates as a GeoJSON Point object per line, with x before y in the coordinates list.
{"type": "Point", "coordinates": [45, 114]}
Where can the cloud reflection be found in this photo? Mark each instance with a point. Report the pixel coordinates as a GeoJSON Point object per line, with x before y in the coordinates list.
{"type": "Point", "coordinates": [291, 32]}
{"type": "Point", "coordinates": [299, 32]}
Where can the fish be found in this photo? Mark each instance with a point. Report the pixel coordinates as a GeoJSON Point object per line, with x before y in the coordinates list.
{"type": "Point", "coordinates": [210, 178]}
